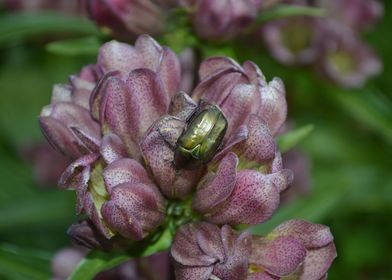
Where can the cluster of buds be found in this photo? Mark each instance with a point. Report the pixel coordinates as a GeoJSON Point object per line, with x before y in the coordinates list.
{"type": "Point", "coordinates": [332, 44]}
{"type": "Point", "coordinates": [141, 148]}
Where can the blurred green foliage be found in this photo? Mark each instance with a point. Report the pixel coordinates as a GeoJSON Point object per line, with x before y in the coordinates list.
{"type": "Point", "coordinates": [350, 149]}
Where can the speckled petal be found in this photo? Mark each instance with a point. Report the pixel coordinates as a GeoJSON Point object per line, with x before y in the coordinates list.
{"type": "Point", "coordinates": [81, 91]}
{"type": "Point", "coordinates": [281, 179]}
{"type": "Point", "coordinates": [214, 191]}
{"type": "Point", "coordinates": [185, 249]}
{"type": "Point", "coordinates": [254, 74]}
{"type": "Point", "coordinates": [317, 262]}
{"type": "Point", "coordinates": [67, 115]}
{"type": "Point", "coordinates": [215, 88]}
{"type": "Point", "coordinates": [75, 116]}
{"type": "Point", "coordinates": [238, 104]}
{"type": "Point", "coordinates": [193, 272]}
{"type": "Point", "coordinates": [134, 209]}
{"type": "Point", "coordinates": [213, 64]}
{"type": "Point", "coordinates": [76, 176]}
{"type": "Point", "coordinates": [311, 235]}
{"type": "Point", "coordinates": [241, 134]}
{"type": "Point", "coordinates": [92, 212]}
{"type": "Point", "coordinates": [112, 148]}
{"type": "Point", "coordinates": [259, 146]}
{"type": "Point", "coordinates": [116, 117]}
{"type": "Point", "coordinates": [150, 51]}
{"type": "Point", "coordinates": [89, 141]}
{"type": "Point", "coordinates": [116, 56]}
{"type": "Point", "coordinates": [148, 100]}
{"type": "Point", "coordinates": [253, 201]}
{"type": "Point", "coordinates": [236, 265]}
{"type": "Point", "coordinates": [124, 171]}
{"type": "Point", "coordinates": [98, 95]}
{"type": "Point", "coordinates": [159, 157]}
{"type": "Point", "coordinates": [169, 71]}
{"type": "Point", "coordinates": [171, 130]}
{"type": "Point", "coordinates": [280, 257]}
{"type": "Point", "coordinates": [273, 109]}
{"type": "Point", "coordinates": [209, 240]}
{"type": "Point", "coordinates": [182, 106]}
{"type": "Point", "coordinates": [60, 137]}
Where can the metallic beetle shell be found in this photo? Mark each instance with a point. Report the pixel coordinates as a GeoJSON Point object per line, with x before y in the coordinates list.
{"type": "Point", "coordinates": [202, 137]}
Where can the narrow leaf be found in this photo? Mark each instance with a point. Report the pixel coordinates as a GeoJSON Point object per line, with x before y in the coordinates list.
{"type": "Point", "coordinates": [74, 47]}
{"type": "Point", "coordinates": [289, 140]}
{"type": "Point", "coordinates": [24, 26]}
{"type": "Point", "coordinates": [23, 263]}
{"type": "Point", "coordinates": [367, 107]}
{"type": "Point", "coordinates": [283, 11]}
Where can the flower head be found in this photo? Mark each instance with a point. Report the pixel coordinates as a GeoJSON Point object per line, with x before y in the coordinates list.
{"type": "Point", "coordinates": [99, 120]}
{"type": "Point", "coordinates": [295, 249]}
{"type": "Point", "coordinates": [201, 251]}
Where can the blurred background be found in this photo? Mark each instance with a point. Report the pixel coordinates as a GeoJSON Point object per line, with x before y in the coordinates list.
{"type": "Point", "coordinates": [342, 166]}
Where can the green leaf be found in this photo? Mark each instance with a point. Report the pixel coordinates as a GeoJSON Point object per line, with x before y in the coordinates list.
{"type": "Point", "coordinates": [74, 47]}
{"type": "Point", "coordinates": [24, 26]}
{"type": "Point", "coordinates": [289, 140]}
{"type": "Point", "coordinates": [98, 261]}
{"type": "Point", "coordinates": [43, 208]}
{"type": "Point", "coordinates": [369, 107]}
{"type": "Point", "coordinates": [283, 11]}
{"type": "Point", "coordinates": [23, 263]}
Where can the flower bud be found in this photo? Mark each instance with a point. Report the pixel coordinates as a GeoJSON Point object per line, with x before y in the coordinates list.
{"type": "Point", "coordinates": [205, 251]}
{"type": "Point", "coordinates": [295, 249]}
{"type": "Point", "coordinates": [128, 18]}
{"type": "Point", "coordinates": [222, 20]}
{"type": "Point", "coordinates": [345, 58]}
{"type": "Point", "coordinates": [239, 197]}
{"type": "Point", "coordinates": [240, 91]}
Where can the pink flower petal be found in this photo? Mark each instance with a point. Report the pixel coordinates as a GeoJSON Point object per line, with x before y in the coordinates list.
{"type": "Point", "coordinates": [311, 235]}
{"type": "Point", "coordinates": [148, 100]}
{"type": "Point", "coordinates": [280, 257]}
{"type": "Point", "coordinates": [112, 148]}
{"type": "Point", "coordinates": [116, 56]}
{"type": "Point", "coordinates": [254, 200]}
{"type": "Point", "coordinates": [214, 191]}
{"type": "Point", "coordinates": [124, 171]}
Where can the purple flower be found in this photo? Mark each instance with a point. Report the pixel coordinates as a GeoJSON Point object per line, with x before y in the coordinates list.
{"type": "Point", "coordinates": [122, 120]}
{"type": "Point", "coordinates": [344, 57]}
{"type": "Point", "coordinates": [47, 164]}
{"type": "Point", "coordinates": [295, 249]}
{"type": "Point", "coordinates": [201, 251]}
{"type": "Point", "coordinates": [358, 14]}
{"type": "Point", "coordinates": [65, 261]}
{"type": "Point", "coordinates": [253, 108]}
{"type": "Point", "coordinates": [331, 44]}
{"type": "Point", "coordinates": [129, 18]}
{"type": "Point", "coordinates": [292, 41]}
{"type": "Point", "coordinates": [99, 120]}
{"type": "Point", "coordinates": [222, 20]}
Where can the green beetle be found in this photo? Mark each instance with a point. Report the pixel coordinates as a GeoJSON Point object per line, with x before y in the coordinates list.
{"type": "Point", "coordinates": [202, 137]}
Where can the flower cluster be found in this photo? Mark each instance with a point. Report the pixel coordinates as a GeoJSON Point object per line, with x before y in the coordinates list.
{"type": "Point", "coordinates": [215, 20]}
{"type": "Point", "coordinates": [120, 121]}
{"type": "Point", "coordinates": [332, 44]}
